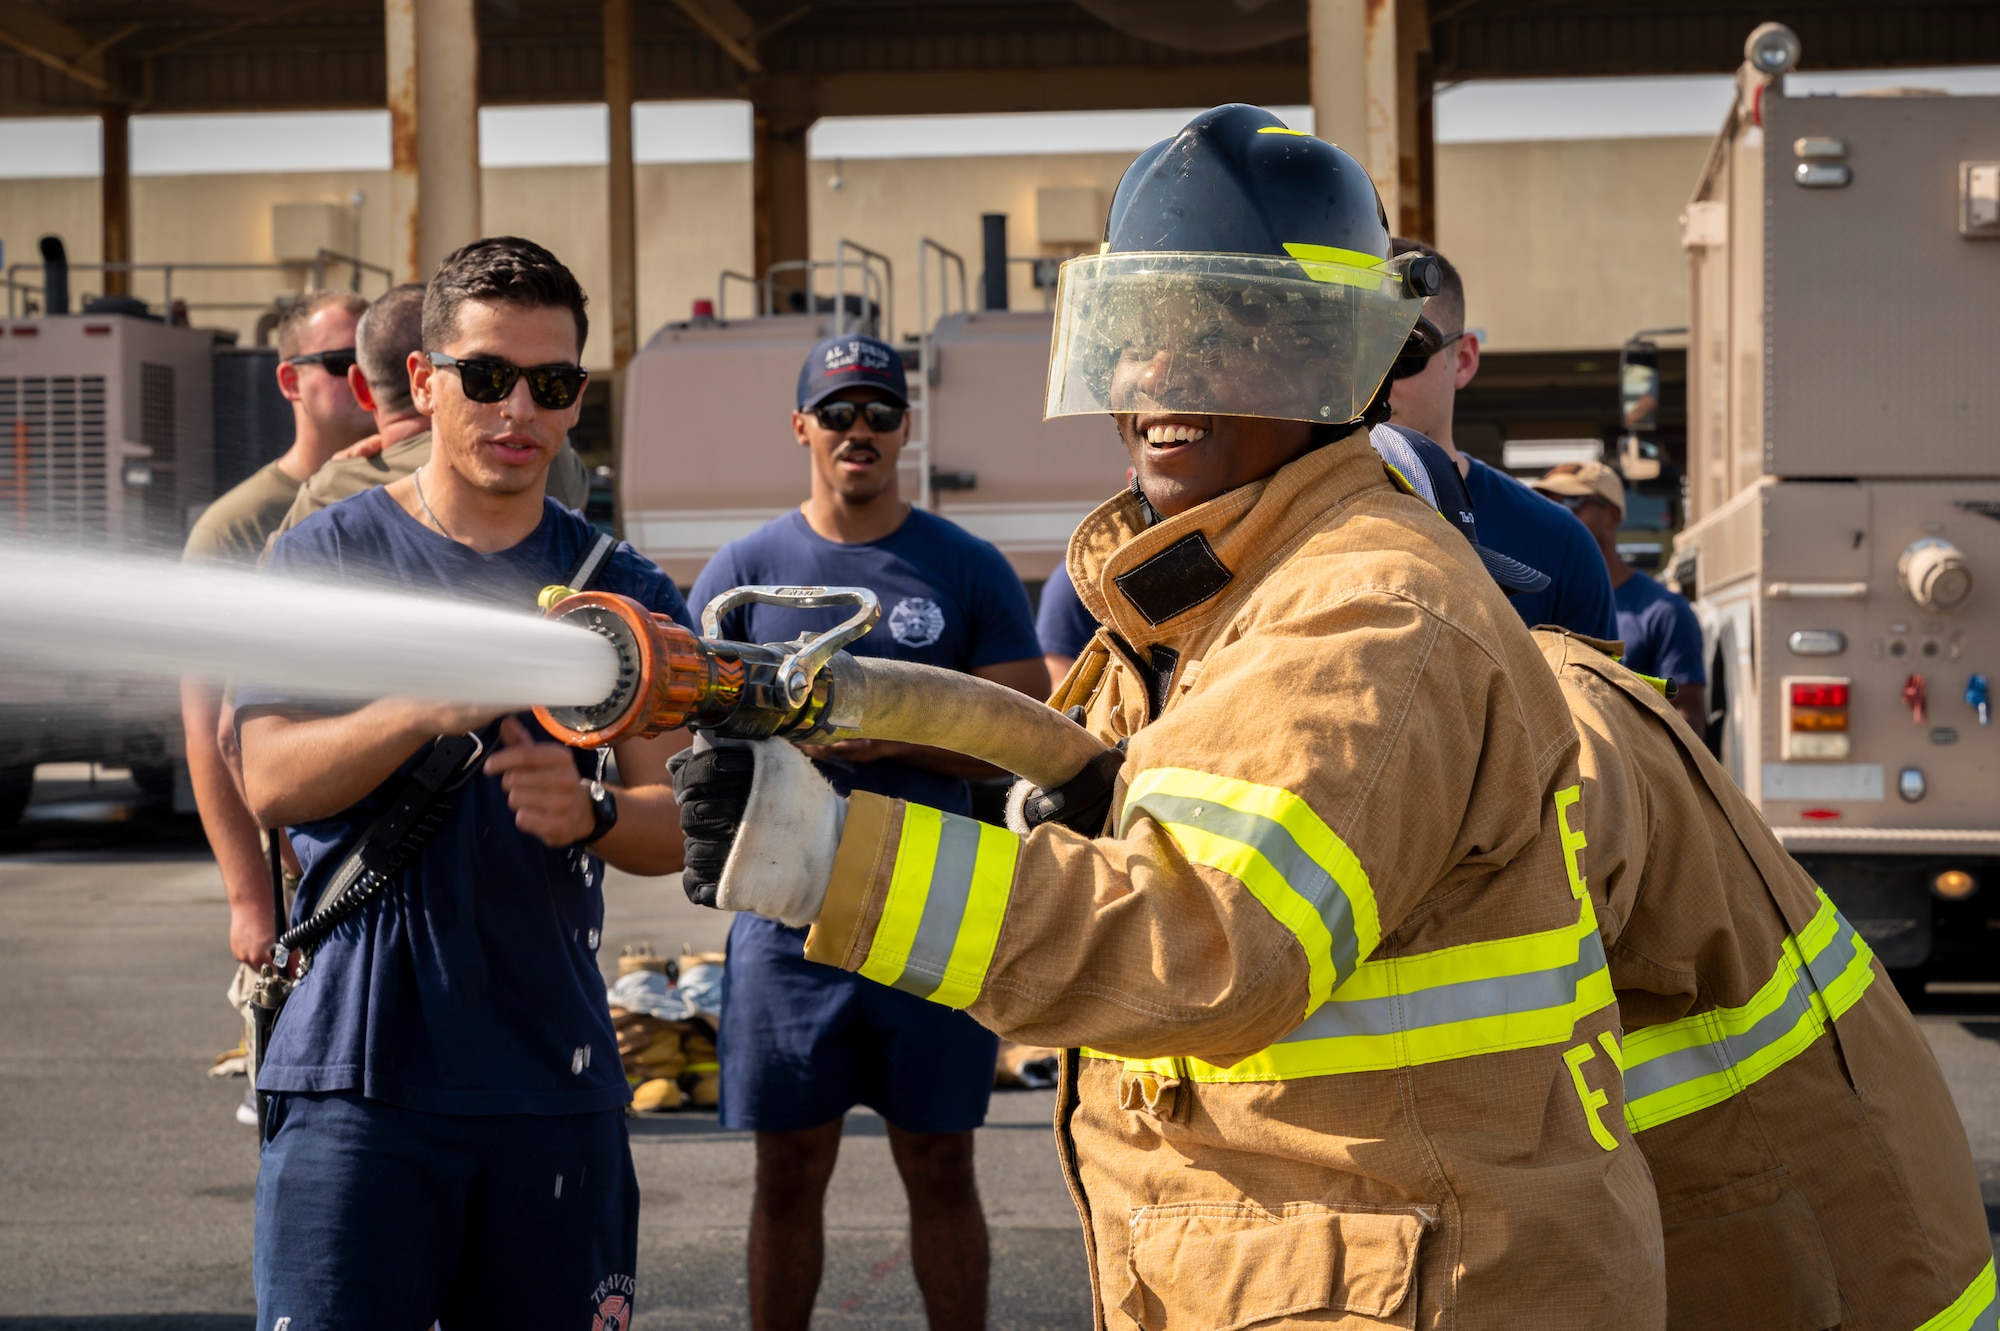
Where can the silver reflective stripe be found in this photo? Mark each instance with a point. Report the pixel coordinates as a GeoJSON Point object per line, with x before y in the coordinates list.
{"type": "Point", "coordinates": [1701, 1060]}
{"type": "Point", "coordinates": [1464, 1001]}
{"type": "Point", "coordinates": [944, 906]}
{"type": "Point", "coordinates": [1836, 956]}
{"type": "Point", "coordinates": [1681, 1067]}
{"type": "Point", "coordinates": [1270, 839]}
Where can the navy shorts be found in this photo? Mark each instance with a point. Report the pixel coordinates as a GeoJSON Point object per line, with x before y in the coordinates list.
{"type": "Point", "coordinates": [801, 1044]}
{"type": "Point", "coordinates": [371, 1216]}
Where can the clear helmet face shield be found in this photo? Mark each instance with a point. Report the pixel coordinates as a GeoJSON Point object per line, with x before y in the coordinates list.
{"type": "Point", "coordinates": [1307, 339]}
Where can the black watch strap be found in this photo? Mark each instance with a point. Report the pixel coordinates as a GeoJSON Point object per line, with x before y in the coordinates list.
{"type": "Point", "coordinates": [603, 812]}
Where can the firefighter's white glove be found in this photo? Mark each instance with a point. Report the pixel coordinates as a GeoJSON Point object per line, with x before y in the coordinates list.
{"type": "Point", "coordinates": [762, 827]}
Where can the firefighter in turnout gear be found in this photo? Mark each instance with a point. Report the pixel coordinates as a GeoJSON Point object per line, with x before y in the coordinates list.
{"type": "Point", "coordinates": [1812, 1169]}
{"type": "Point", "coordinates": [1342, 1044]}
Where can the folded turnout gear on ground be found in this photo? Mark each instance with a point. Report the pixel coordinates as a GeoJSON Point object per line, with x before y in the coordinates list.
{"type": "Point", "coordinates": [668, 1063]}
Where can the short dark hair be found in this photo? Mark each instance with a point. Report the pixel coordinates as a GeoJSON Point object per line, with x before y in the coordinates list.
{"type": "Point", "coordinates": [292, 323]}
{"type": "Point", "coordinates": [1450, 299]}
{"type": "Point", "coordinates": [504, 270]}
{"type": "Point", "coordinates": [392, 328]}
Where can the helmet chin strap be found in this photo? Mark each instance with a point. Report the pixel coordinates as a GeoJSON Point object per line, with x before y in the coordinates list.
{"type": "Point", "coordinates": [1148, 515]}
{"type": "Point", "coordinates": [1378, 406]}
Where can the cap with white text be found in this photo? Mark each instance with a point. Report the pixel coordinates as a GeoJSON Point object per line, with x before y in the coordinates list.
{"type": "Point", "coordinates": [852, 360]}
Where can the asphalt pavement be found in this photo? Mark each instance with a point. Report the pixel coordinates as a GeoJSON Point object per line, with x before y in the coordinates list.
{"type": "Point", "coordinates": [126, 1184]}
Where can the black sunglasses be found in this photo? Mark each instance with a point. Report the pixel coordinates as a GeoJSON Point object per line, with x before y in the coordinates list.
{"type": "Point", "coordinates": [839, 415]}
{"type": "Point", "coordinates": [484, 380]}
{"type": "Point", "coordinates": [335, 363]}
{"type": "Point", "coordinates": [1417, 353]}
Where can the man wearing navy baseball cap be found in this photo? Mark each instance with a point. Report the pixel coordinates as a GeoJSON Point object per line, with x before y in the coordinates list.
{"type": "Point", "coordinates": [802, 1043]}
{"type": "Point", "coordinates": [853, 361]}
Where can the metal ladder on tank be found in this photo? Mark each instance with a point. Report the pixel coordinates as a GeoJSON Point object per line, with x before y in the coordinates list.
{"type": "Point", "coordinates": [918, 450]}
{"type": "Point", "coordinates": [877, 283]}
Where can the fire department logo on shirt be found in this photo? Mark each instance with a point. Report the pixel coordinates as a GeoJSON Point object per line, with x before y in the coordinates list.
{"type": "Point", "coordinates": [916, 622]}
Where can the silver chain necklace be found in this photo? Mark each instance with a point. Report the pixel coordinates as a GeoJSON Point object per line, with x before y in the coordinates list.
{"type": "Point", "coordinates": [418, 477]}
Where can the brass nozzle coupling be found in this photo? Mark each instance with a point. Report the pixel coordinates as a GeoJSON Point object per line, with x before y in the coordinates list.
{"type": "Point", "coordinates": [668, 677]}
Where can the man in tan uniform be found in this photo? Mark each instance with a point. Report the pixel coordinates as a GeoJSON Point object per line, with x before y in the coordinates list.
{"type": "Point", "coordinates": [315, 347]}
{"type": "Point", "coordinates": [1349, 1050]}
{"type": "Point", "coordinates": [1812, 1169]}
{"type": "Point", "coordinates": [391, 332]}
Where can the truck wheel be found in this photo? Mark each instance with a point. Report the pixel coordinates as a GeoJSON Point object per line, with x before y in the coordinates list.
{"type": "Point", "coordinates": [17, 783]}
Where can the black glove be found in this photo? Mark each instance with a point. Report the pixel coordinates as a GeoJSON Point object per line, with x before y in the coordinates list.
{"type": "Point", "coordinates": [1083, 803]}
{"type": "Point", "coordinates": [712, 786]}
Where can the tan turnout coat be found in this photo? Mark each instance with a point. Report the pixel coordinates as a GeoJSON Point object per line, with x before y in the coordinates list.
{"type": "Point", "coordinates": [1343, 1045]}
{"type": "Point", "coordinates": [1812, 1169]}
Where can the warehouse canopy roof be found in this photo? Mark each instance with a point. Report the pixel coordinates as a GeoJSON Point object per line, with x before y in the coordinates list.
{"type": "Point", "coordinates": [865, 57]}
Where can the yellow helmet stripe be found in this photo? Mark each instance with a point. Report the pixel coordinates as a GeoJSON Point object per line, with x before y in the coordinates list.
{"type": "Point", "coordinates": [1330, 263]}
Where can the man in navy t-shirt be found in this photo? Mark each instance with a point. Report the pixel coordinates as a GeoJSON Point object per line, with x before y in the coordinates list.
{"type": "Point", "coordinates": [801, 1043]}
{"type": "Point", "coordinates": [1512, 518]}
{"type": "Point", "coordinates": [1062, 624]}
{"type": "Point", "coordinates": [1661, 635]}
{"type": "Point", "coordinates": [445, 1140]}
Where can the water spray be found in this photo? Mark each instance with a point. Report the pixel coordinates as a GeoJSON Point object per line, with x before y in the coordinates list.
{"type": "Point", "coordinates": [73, 612]}
{"type": "Point", "coordinates": [598, 668]}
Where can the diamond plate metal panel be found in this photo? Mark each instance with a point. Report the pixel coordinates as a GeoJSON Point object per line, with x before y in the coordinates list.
{"type": "Point", "coordinates": [1880, 319]}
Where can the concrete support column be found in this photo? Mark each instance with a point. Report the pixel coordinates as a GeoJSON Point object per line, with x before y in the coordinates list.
{"type": "Point", "coordinates": [1337, 74]}
{"type": "Point", "coordinates": [619, 176]}
{"type": "Point", "coordinates": [433, 50]}
{"type": "Point", "coordinates": [623, 213]}
{"type": "Point", "coordinates": [1423, 87]}
{"type": "Point", "coordinates": [781, 192]}
{"type": "Point", "coordinates": [115, 198]}
{"type": "Point", "coordinates": [1371, 92]}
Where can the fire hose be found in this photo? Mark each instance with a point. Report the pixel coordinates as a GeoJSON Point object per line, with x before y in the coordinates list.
{"type": "Point", "coordinates": [808, 691]}
{"type": "Point", "coordinates": [805, 691]}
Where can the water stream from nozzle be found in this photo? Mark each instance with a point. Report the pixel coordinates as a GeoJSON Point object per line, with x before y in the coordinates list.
{"type": "Point", "coordinates": [100, 614]}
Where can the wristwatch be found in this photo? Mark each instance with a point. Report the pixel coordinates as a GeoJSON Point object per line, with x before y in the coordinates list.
{"type": "Point", "coordinates": [603, 811]}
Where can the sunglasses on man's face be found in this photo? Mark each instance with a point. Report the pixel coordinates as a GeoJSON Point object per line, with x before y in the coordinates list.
{"type": "Point", "coordinates": [335, 363]}
{"type": "Point", "coordinates": [554, 387]}
{"type": "Point", "coordinates": [882, 417]}
{"type": "Point", "coordinates": [1415, 362]}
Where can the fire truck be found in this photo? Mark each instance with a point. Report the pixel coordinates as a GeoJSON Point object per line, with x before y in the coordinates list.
{"type": "Point", "coordinates": [1843, 495]}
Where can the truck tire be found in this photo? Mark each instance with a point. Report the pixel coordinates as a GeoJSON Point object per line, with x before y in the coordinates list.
{"type": "Point", "coordinates": [17, 783]}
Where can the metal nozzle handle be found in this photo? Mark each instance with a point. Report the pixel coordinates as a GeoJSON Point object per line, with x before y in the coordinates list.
{"type": "Point", "coordinates": [809, 655]}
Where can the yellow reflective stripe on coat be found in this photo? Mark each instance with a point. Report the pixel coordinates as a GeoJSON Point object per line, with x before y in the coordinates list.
{"type": "Point", "coordinates": [1974, 1310]}
{"type": "Point", "coordinates": [1457, 1002]}
{"type": "Point", "coordinates": [1678, 1068]}
{"type": "Point", "coordinates": [947, 898]}
{"type": "Point", "coordinates": [1272, 842]}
